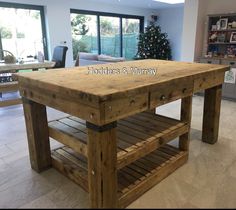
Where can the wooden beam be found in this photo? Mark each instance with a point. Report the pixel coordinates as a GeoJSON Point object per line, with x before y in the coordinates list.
{"type": "Point", "coordinates": [38, 136]}
{"type": "Point", "coordinates": [211, 115]}
{"type": "Point", "coordinates": [102, 169]}
{"type": "Point", "coordinates": [186, 115]}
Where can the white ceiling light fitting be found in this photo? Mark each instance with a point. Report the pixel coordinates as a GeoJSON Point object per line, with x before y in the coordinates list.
{"type": "Point", "coordinates": [170, 1]}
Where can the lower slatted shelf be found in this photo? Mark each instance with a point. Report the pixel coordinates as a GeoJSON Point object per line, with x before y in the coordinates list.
{"type": "Point", "coordinates": [137, 135]}
{"type": "Point", "coordinates": [133, 180]}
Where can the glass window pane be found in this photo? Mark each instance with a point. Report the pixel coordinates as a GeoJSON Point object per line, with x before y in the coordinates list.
{"type": "Point", "coordinates": [84, 33]}
{"type": "Point", "coordinates": [110, 36]}
{"type": "Point", "coordinates": [130, 30]}
{"type": "Point", "coordinates": [21, 31]}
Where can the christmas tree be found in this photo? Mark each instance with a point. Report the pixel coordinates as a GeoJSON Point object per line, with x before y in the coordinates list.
{"type": "Point", "coordinates": [153, 44]}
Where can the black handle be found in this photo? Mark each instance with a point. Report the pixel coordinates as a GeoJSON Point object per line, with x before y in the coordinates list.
{"type": "Point", "coordinates": [209, 61]}
{"type": "Point", "coordinates": [232, 63]}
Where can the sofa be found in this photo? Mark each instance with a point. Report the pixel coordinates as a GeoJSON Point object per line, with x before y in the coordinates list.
{"type": "Point", "coordinates": [84, 59]}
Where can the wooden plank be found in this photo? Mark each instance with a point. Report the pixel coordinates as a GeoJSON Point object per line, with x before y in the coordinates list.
{"type": "Point", "coordinates": [156, 123]}
{"type": "Point", "coordinates": [148, 127]}
{"type": "Point", "coordinates": [102, 170]}
{"type": "Point", "coordinates": [38, 136]}
{"type": "Point", "coordinates": [136, 133]}
{"type": "Point", "coordinates": [83, 161]}
{"type": "Point", "coordinates": [79, 134]}
{"type": "Point", "coordinates": [211, 116]}
{"type": "Point", "coordinates": [124, 107]}
{"type": "Point", "coordinates": [168, 150]}
{"type": "Point", "coordinates": [132, 140]}
{"type": "Point", "coordinates": [148, 146]}
{"type": "Point", "coordinates": [10, 102]}
{"type": "Point", "coordinates": [78, 109]}
{"type": "Point", "coordinates": [161, 118]}
{"type": "Point", "coordinates": [74, 124]}
{"type": "Point", "coordinates": [152, 180]}
{"type": "Point", "coordinates": [208, 80]}
{"type": "Point", "coordinates": [170, 91]}
{"type": "Point", "coordinates": [68, 140]}
{"type": "Point", "coordinates": [73, 171]}
{"type": "Point", "coordinates": [75, 159]}
{"type": "Point", "coordinates": [186, 116]}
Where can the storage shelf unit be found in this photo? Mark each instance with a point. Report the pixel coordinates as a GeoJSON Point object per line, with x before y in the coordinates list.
{"type": "Point", "coordinates": [223, 52]}
{"type": "Point", "coordinates": [143, 156]}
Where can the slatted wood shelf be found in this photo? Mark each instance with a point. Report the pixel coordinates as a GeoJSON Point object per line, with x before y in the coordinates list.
{"type": "Point", "coordinates": [133, 180]}
{"type": "Point", "coordinates": [137, 135]}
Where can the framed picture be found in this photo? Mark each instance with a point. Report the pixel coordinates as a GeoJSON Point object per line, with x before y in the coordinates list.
{"type": "Point", "coordinates": [223, 23]}
{"type": "Point", "coordinates": [233, 37]}
{"type": "Point", "coordinates": [231, 51]}
{"type": "Point", "coordinates": [221, 38]}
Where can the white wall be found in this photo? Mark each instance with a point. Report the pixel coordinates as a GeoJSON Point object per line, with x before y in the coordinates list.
{"type": "Point", "coordinates": [171, 22]}
{"type": "Point", "coordinates": [195, 22]}
{"type": "Point", "coordinates": [57, 14]}
{"type": "Point", "coordinates": [189, 30]}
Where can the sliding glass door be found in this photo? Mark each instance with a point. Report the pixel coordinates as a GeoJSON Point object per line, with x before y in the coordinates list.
{"type": "Point", "coordinates": [130, 30]}
{"type": "Point", "coordinates": [84, 33]}
{"type": "Point", "coordinates": [105, 33]}
{"type": "Point", "coordinates": [110, 36]}
{"type": "Point", "coordinates": [22, 30]}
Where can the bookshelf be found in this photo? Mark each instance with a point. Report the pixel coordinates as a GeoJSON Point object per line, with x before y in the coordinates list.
{"type": "Point", "coordinates": [220, 46]}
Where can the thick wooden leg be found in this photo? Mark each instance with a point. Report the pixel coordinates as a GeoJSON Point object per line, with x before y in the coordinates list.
{"type": "Point", "coordinates": [102, 169]}
{"type": "Point", "coordinates": [211, 115]}
{"type": "Point", "coordinates": [186, 115]}
{"type": "Point", "coordinates": [38, 137]}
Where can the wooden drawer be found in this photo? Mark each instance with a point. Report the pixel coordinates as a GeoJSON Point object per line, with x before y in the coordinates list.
{"type": "Point", "coordinates": [210, 61]}
{"type": "Point", "coordinates": [170, 91]}
{"type": "Point", "coordinates": [123, 107]}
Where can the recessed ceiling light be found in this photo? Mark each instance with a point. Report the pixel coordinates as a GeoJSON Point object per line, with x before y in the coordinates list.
{"type": "Point", "coordinates": [171, 1]}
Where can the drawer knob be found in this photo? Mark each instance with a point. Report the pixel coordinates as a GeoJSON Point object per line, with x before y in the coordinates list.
{"type": "Point", "coordinates": [132, 102]}
{"type": "Point", "coordinates": [162, 97]}
{"type": "Point", "coordinates": [184, 90]}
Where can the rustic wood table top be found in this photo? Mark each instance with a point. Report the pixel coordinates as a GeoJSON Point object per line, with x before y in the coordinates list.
{"type": "Point", "coordinates": [100, 86]}
{"type": "Point", "coordinates": [107, 85]}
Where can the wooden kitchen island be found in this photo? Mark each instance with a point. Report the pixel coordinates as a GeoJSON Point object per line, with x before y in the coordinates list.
{"type": "Point", "coordinates": [116, 147]}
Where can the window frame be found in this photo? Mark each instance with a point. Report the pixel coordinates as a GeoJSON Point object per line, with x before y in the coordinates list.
{"type": "Point", "coordinates": [108, 14]}
{"type": "Point", "coordinates": [43, 20]}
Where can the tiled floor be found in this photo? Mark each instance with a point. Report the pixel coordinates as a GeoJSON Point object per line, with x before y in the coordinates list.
{"type": "Point", "coordinates": [207, 180]}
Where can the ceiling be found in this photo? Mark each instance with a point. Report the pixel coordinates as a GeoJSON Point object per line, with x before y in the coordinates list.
{"type": "Point", "coordinates": [147, 4]}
